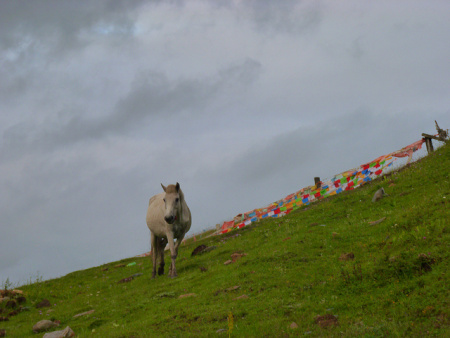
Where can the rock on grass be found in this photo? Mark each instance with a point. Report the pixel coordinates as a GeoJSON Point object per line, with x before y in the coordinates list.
{"type": "Point", "coordinates": [84, 313]}
{"type": "Point", "coordinates": [347, 256]}
{"type": "Point", "coordinates": [198, 250]}
{"type": "Point", "coordinates": [67, 332]}
{"type": "Point", "coordinates": [293, 326]}
{"type": "Point", "coordinates": [327, 320]}
{"type": "Point", "coordinates": [241, 297]}
{"type": "Point", "coordinates": [43, 325]}
{"type": "Point", "coordinates": [43, 303]}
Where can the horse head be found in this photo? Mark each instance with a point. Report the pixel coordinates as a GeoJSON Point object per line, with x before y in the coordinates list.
{"type": "Point", "coordinates": [172, 201]}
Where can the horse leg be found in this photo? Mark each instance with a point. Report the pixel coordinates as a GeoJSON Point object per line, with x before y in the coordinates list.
{"type": "Point", "coordinates": [170, 268]}
{"type": "Point", "coordinates": [173, 255]}
{"type": "Point", "coordinates": [154, 253]}
{"type": "Point", "coordinates": [162, 245]}
{"type": "Point", "coordinates": [177, 244]}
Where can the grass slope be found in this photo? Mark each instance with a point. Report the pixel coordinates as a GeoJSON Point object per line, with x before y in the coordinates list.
{"type": "Point", "coordinates": [396, 285]}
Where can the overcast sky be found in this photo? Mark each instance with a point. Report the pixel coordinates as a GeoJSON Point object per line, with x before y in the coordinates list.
{"type": "Point", "coordinates": [242, 102]}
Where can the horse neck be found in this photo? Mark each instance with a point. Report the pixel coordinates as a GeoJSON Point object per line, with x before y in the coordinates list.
{"type": "Point", "coordinates": [180, 193]}
{"type": "Point", "coordinates": [183, 205]}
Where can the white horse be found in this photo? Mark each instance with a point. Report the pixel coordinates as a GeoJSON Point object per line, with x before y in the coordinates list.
{"type": "Point", "coordinates": [168, 217]}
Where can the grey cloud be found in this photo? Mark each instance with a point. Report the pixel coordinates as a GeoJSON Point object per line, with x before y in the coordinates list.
{"type": "Point", "coordinates": [153, 94]}
{"type": "Point", "coordinates": [356, 50]}
{"type": "Point", "coordinates": [290, 17]}
{"type": "Point", "coordinates": [151, 97]}
{"type": "Point", "coordinates": [241, 74]}
{"type": "Point", "coordinates": [273, 17]}
{"type": "Point", "coordinates": [62, 20]}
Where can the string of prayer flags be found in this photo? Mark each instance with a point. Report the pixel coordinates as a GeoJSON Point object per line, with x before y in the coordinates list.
{"type": "Point", "coordinates": [347, 180]}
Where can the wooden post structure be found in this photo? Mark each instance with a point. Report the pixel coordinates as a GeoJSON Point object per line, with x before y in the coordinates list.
{"type": "Point", "coordinates": [443, 135]}
{"type": "Point", "coordinates": [317, 182]}
{"type": "Point", "coordinates": [429, 143]}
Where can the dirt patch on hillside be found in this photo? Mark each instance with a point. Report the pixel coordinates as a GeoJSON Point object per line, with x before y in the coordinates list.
{"type": "Point", "coordinates": [327, 320]}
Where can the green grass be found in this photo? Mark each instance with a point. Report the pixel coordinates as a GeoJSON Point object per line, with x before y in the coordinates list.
{"type": "Point", "coordinates": [396, 285]}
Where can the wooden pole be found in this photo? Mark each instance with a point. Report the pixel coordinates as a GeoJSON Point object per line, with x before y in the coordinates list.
{"type": "Point", "coordinates": [317, 182]}
{"type": "Point", "coordinates": [432, 137]}
{"type": "Point", "coordinates": [429, 144]}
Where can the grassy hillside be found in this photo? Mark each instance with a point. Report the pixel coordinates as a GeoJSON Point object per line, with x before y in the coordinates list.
{"type": "Point", "coordinates": [325, 267]}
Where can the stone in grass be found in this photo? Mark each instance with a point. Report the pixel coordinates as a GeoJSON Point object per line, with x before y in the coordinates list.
{"type": "Point", "coordinates": [377, 222]}
{"type": "Point", "coordinates": [13, 313]}
{"type": "Point", "coordinates": [168, 294]}
{"type": "Point", "coordinates": [327, 320]}
{"type": "Point", "coordinates": [209, 248]}
{"type": "Point", "coordinates": [43, 325]}
{"type": "Point", "coordinates": [67, 332]}
{"type": "Point", "coordinates": [347, 256]}
{"type": "Point", "coordinates": [43, 303]}
{"type": "Point", "coordinates": [379, 194]}
{"type": "Point", "coordinates": [84, 313]}
{"type": "Point", "coordinates": [125, 280]}
{"type": "Point", "coordinates": [234, 257]}
{"type": "Point", "coordinates": [237, 255]}
{"type": "Point", "coordinates": [198, 250]}
{"type": "Point", "coordinates": [188, 295]}
{"type": "Point", "coordinates": [5, 293]}
{"type": "Point", "coordinates": [233, 288]}
{"type": "Point", "coordinates": [241, 297]}
{"type": "Point", "coordinates": [293, 326]}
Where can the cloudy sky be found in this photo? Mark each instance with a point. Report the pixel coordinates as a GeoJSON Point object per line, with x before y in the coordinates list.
{"type": "Point", "coordinates": [242, 102]}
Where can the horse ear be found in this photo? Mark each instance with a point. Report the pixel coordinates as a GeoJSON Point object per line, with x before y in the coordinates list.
{"type": "Point", "coordinates": [178, 187]}
{"type": "Point", "coordinates": [164, 188]}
